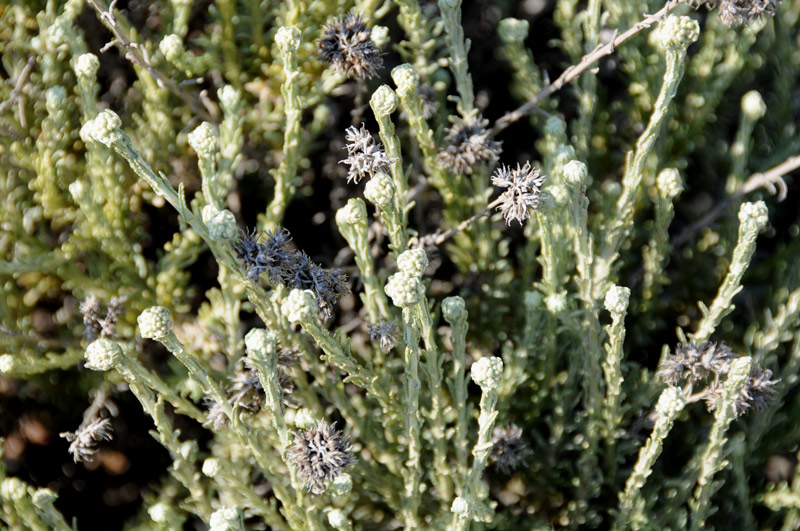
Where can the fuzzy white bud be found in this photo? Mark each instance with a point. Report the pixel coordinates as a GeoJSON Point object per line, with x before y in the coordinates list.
{"type": "Point", "coordinates": [513, 30]}
{"type": "Point", "coordinates": [379, 190]}
{"type": "Point", "coordinates": [337, 518]}
{"type": "Point", "coordinates": [405, 290]}
{"type": "Point", "coordinates": [203, 140]}
{"type": "Point", "coordinates": [288, 39]}
{"type": "Point", "coordinates": [304, 419]}
{"type": "Point", "coordinates": [102, 355]}
{"type": "Point", "coordinates": [556, 302]}
{"type": "Point", "coordinates": [460, 507]}
{"type": "Point", "coordinates": [155, 323]}
{"type": "Point", "coordinates": [104, 128]}
{"type": "Point", "coordinates": [353, 213]}
{"type": "Point", "coordinates": [300, 306]}
{"type": "Point", "coordinates": [383, 101]}
{"type": "Point", "coordinates": [670, 402]}
{"type": "Point", "coordinates": [379, 35]}
{"type": "Point", "coordinates": [669, 183]}
{"type": "Point", "coordinates": [13, 489]}
{"type": "Point", "coordinates": [171, 46]}
{"type": "Point", "coordinates": [86, 66]}
{"type": "Point", "coordinates": [575, 172]}
{"type": "Point", "coordinates": [413, 262]}
{"type": "Point", "coordinates": [486, 372]}
{"type": "Point", "coordinates": [616, 300]}
{"type": "Point", "coordinates": [229, 97]}
{"type": "Point", "coordinates": [677, 32]}
{"type": "Point", "coordinates": [406, 78]}
{"type": "Point", "coordinates": [211, 467]}
{"type": "Point", "coordinates": [221, 223]}
{"type": "Point", "coordinates": [7, 363]}
{"type": "Point", "coordinates": [259, 340]}
{"type": "Point", "coordinates": [754, 215]}
{"type": "Point", "coordinates": [753, 105]}
{"type": "Point", "coordinates": [454, 310]}
{"type": "Point", "coordinates": [225, 519]}
{"type": "Point", "coordinates": [159, 512]}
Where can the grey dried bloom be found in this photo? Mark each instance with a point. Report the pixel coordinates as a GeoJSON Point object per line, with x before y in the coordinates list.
{"type": "Point", "coordinates": [346, 43]}
{"type": "Point", "coordinates": [290, 267]}
{"type": "Point", "coordinates": [739, 11]}
{"type": "Point", "coordinates": [83, 442]}
{"type": "Point", "coordinates": [469, 144]}
{"type": "Point", "coordinates": [755, 393]}
{"type": "Point", "coordinates": [216, 417]}
{"type": "Point", "coordinates": [523, 188]}
{"type": "Point", "coordinates": [319, 454]}
{"type": "Point", "coordinates": [245, 391]}
{"type": "Point", "coordinates": [364, 156]}
{"type": "Point", "coordinates": [385, 333]}
{"type": "Point", "coordinates": [509, 450]}
{"type": "Point", "coordinates": [96, 324]}
{"type": "Point", "coordinates": [695, 362]}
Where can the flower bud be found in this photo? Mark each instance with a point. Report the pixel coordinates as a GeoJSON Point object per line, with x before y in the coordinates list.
{"type": "Point", "coordinates": [670, 402]}
{"type": "Point", "coordinates": [616, 300]}
{"type": "Point", "coordinates": [304, 419]}
{"type": "Point", "coordinates": [104, 128]}
{"type": "Point", "coordinates": [221, 224]}
{"type": "Point", "coordinates": [556, 302]}
{"type": "Point", "coordinates": [7, 363]}
{"type": "Point", "coordinates": [203, 140]}
{"type": "Point", "coordinates": [353, 213]}
{"type": "Point", "coordinates": [229, 98]}
{"type": "Point", "coordinates": [341, 485]}
{"type": "Point", "coordinates": [300, 306]}
{"type": "Point", "coordinates": [160, 513]}
{"type": "Point", "coordinates": [405, 290]}
{"type": "Point", "coordinates": [575, 172]}
{"type": "Point", "coordinates": [677, 33]}
{"type": "Point", "coordinates": [753, 105]}
{"type": "Point", "coordinates": [413, 262]}
{"type": "Point", "coordinates": [406, 78]}
{"type": "Point", "coordinates": [259, 340]}
{"type": "Point", "coordinates": [454, 310]}
{"type": "Point", "coordinates": [379, 190]}
{"type": "Point", "coordinates": [754, 216]}
{"type": "Point", "coordinates": [211, 467]}
{"type": "Point", "coordinates": [171, 46]}
{"type": "Point", "coordinates": [486, 372]}
{"type": "Point", "coordinates": [379, 35]}
{"type": "Point", "coordinates": [513, 30]}
{"type": "Point", "coordinates": [103, 355]}
{"type": "Point", "coordinates": [383, 101]}
{"type": "Point", "coordinates": [669, 183]}
{"type": "Point", "coordinates": [86, 66]}
{"type": "Point", "coordinates": [155, 323]}
{"type": "Point", "coordinates": [460, 507]}
{"type": "Point", "coordinates": [288, 39]}
{"type": "Point", "coordinates": [13, 489]}
{"type": "Point", "coordinates": [44, 498]}
{"type": "Point", "coordinates": [337, 518]}
{"type": "Point", "coordinates": [225, 519]}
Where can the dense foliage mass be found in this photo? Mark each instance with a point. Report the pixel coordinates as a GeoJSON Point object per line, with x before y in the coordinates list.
{"type": "Point", "coordinates": [395, 264]}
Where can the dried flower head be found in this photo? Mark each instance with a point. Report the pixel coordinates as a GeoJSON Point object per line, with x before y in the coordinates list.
{"type": "Point", "coordinates": [96, 324]}
{"type": "Point", "coordinates": [509, 450]}
{"type": "Point", "coordinates": [739, 11]}
{"type": "Point", "coordinates": [469, 144]}
{"type": "Point", "coordinates": [83, 442]}
{"type": "Point", "coordinates": [319, 454]}
{"type": "Point", "coordinates": [290, 267]}
{"type": "Point", "coordinates": [523, 188]}
{"type": "Point", "coordinates": [364, 156]}
{"type": "Point", "coordinates": [346, 43]}
{"type": "Point", "coordinates": [755, 393]}
{"type": "Point", "coordinates": [695, 362]}
{"type": "Point", "coordinates": [385, 333]}
{"type": "Point", "coordinates": [216, 417]}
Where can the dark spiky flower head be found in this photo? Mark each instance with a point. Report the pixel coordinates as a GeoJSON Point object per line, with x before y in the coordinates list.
{"type": "Point", "coordinates": [290, 267]}
{"type": "Point", "coordinates": [696, 362]}
{"type": "Point", "coordinates": [346, 43]}
{"type": "Point", "coordinates": [522, 190]}
{"type": "Point", "coordinates": [739, 11]}
{"type": "Point", "coordinates": [319, 454]}
{"type": "Point", "coordinates": [509, 450]}
{"type": "Point", "coordinates": [468, 144]}
{"type": "Point", "coordinates": [364, 156]}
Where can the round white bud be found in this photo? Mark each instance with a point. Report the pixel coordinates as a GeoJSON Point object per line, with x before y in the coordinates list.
{"type": "Point", "coordinates": [43, 498]}
{"type": "Point", "coordinates": [221, 223]}
{"type": "Point", "coordinates": [341, 485]}
{"type": "Point", "coordinates": [753, 105]}
{"type": "Point", "coordinates": [486, 372]}
{"type": "Point", "coordinates": [406, 78]}
{"type": "Point", "coordinates": [413, 262]}
{"type": "Point", "coordinates": [259, 340]}
{"type": "Point", "coordinates": [353, 213]}
{"type": "Point", "coordinates": [556, 302]}
{"type": "Point", "coordinates": [102, 355]}
{"type": "Point", "coordinates": [337, 518]}
{"type": "Point", "coordinates": [211, 467]}
{"type": "Point", "coordinates": [513, 30]}
{"type": "Point", "coordinates": [454, 310]}
{"type": "Point", "coordinates": [7, 363]}
{"type": "Point", "coordinates": [13, 489]}
{"type": "Point", "coordinates": [300, 306]}
{"type": "Point", "coordinates": [677, 32]}
{"type": "Point", "coordinates": [575, 172]}
{"type": "Point", "coordinates": [379, 190]}
{"type": "Point", "coordinates": [383, 101]}
{"type": "Point", "coordinates": [171, 47]}
{"type": "Point", "coordinates": [460, 507]}
{"type": "Point", "coordinates": [616, 300]}
{"type": "Point", "coordinates": [670, 402]}
{"type": "Point", "coordinates": [104, 128]}
{"type": "Point", "coordinates": [669, 183]}
{"type": "Point", "coordinates": [159, 512]}
{"type": "Point", "coordinates": [229, 97]}
{"type": "Point", "coordinates": [405, 290]}
{"type": "Point", "coordinates": [755, 215]}
{"type": "Point", "coordinates": [86, 66]}
{"type": "Point", "coordinates": [225, 519]}
{"type": "Point", "coordinates": [379, 35]}
{"type": "Point", "coordinates": [288, 39]}
{"type": "Point", "coordinates": [304, 419]}
{"type": "Point", "coordinates": [203, 140]}
{"type": "Point", "coordinates": [155, 323]}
